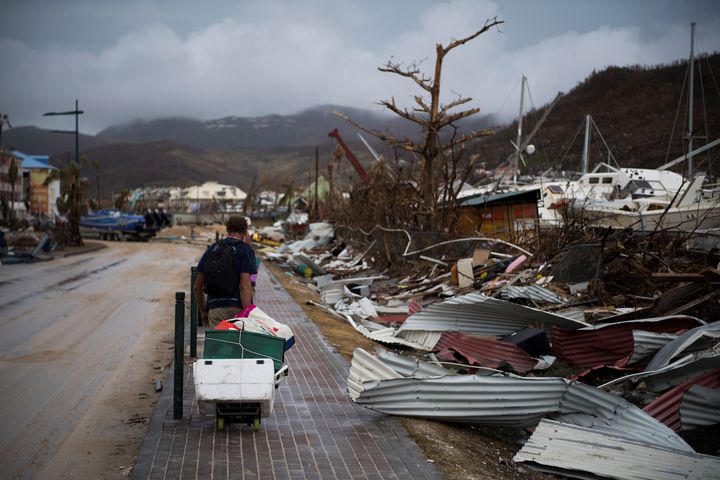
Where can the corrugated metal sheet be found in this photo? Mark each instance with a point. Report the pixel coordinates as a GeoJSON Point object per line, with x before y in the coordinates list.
{"type": "Point", "coordinates": [485, 352]}
{"type": "Point", "coordinates": [391, 318]}
{"type": "Point", "coordinates": [700, 407]}
{"type": "Point", "coordinates": [674, 374]}
{"type": "Point", "coordinates": [424, 341]}
{"type": "Point", "coordinates": [483, 198]}
{"type": "Point", "coordinates": [573, 314]}
{"type": "Point", "coordinates": [480, 315]}
{"type": "Point", "coordinates": [412, 367]}
{"type": "Point", "coordinates": [648, 343]}
{"type": "Point", "coordinates": [611, 343]}
{"type": "Point", "coordinates": [666, 408]}
{"type": "Point", "coordinates": [587, 453]}
{"type": "Point", "coordinates": [503, 400]}
{"type": "Point", "coordinates": [366, 367]}
{"type": "Point", "coordinates": [700, 337]}
{"type": "Point", "coordinates": [418, 340]}
{"type": "Point", "coordinates": [536, 293]}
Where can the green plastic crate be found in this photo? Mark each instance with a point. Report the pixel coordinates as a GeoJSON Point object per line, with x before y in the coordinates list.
{"type": "Point", "coordinates": [224, 344]}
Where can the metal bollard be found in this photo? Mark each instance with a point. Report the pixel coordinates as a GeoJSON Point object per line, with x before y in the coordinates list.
{"type": "Point", "coordinates": [194, 317]}
{"type": "Point", "coordinates": [179, 354]}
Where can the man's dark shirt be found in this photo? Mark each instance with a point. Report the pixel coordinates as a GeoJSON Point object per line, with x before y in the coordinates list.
{"type": "Point", "coordinates": [243, 262]}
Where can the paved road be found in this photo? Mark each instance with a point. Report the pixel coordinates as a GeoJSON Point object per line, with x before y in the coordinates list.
{"type": "Point", "coordinates": [67, 327]}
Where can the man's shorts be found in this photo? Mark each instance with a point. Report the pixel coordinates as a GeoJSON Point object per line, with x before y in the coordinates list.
{"type": "Point", "coordinates": [217, 315]}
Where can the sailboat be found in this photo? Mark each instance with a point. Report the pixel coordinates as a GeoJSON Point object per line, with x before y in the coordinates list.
{"type": "Point", "coordinates": [643, 200]}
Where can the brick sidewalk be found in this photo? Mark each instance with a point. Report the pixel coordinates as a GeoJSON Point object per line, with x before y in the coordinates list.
{"type": "Point", "coordinates": [314, 431]}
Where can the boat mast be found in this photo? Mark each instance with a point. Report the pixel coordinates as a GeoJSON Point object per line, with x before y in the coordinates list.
{"type": "Point", "coordinates": [586, 146]}
{"type": "Point", "coordinates": [519, 130]}
{"type": "Point", "coordinates": [690, 99]}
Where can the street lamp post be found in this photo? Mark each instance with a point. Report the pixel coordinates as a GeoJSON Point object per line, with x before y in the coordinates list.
{"type": "Point", "coordinates": [77, 113]}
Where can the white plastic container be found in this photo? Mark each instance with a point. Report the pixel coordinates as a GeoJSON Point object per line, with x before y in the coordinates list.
{"type": "Point", "coordinates": [234, 381]}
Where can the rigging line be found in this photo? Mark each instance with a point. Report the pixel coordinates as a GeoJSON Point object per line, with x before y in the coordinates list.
{"type": "Point", "coordinates": [596, 145]}
{"type": "Point", "coordinates": [717, 90]}
{"type": "Point", "coordinates": [707, 60]}
{"type": "Point", "coordinates": [539, 134]}
{"type": "Point", "coordinates": [604, 142]}
{"type": "Point", "coordinates": [704, 105]}
{"type": "Point", "coordinates": [497, 112]}
{"type": "Point", "coordinates": [572, 142]}
{"type": "Point", "coordinates": [677, 115]}
{"type": "Point", "coordinates": [712, 75]}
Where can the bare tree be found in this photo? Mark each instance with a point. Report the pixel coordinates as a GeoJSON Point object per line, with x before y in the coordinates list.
{"type": "Point", "coordinates": [432, 117]}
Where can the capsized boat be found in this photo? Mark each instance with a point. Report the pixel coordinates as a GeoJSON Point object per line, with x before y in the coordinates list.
{"type": "Point", "coordinates": [690, 209]}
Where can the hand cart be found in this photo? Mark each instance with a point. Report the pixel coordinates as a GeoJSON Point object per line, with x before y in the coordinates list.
{"type": "Point", "coordinates": [235, 381]}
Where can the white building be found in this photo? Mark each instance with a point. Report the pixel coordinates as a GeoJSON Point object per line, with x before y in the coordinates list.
{"type": "Point", "coordinates": [226, 197]}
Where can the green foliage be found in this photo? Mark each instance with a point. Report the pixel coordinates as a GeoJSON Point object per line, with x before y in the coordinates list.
{"type": "Point", "coordinates": [121, 201]}
{"type": "Point", "coordinates": [71, 203]}
{"type": "Point", "coordinates": [12, 176]}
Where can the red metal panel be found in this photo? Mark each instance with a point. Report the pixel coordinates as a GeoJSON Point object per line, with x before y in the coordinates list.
{"type": "Point", "coordinates": [666, 408]}
{"type": "Point", "coordinates": [484, 352]}
{"type": "Point", "coordinates": [610, 345]}
{"type": "Point", "coordinates": [399, 318]}
{"type": "Point", "coordinates": [498, 213]}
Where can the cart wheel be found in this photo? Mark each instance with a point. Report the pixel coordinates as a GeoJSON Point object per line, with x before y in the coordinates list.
{"type": "Point", "coordinates": [220, 423]}
{"type": "Point", "coordinates": [256, 423]}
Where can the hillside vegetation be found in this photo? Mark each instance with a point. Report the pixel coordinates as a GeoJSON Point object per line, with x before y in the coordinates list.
{"type": "Point", "coordinates": [634, 108]}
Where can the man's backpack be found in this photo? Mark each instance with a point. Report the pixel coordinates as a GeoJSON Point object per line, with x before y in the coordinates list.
{"type": "Point", "coordinates": [220, 276]}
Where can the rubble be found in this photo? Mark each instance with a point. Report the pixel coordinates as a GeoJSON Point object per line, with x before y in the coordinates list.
{"type": "Point", "coordinates": [628, 322]}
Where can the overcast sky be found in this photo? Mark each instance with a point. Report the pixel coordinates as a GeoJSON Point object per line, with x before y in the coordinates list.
{"type": "Point", "coordinates": [132, 59]}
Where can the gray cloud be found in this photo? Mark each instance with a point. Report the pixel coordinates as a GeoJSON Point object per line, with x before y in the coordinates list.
{"type": "Point", "coordinates": [281, 57]}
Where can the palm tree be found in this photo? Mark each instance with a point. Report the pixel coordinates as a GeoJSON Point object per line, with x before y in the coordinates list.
{"type": "Point", "coordinates": [96, 164]}
{"type": "Point", "coordinates": [12, 176]}
{"type": "Point", "coordinates": [71, 202]}
{"type": "Point", "coordinates": [4, 120]}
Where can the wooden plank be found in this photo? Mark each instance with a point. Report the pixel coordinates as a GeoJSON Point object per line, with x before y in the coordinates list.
{"type": "Point", "coordinates": [678, 277]}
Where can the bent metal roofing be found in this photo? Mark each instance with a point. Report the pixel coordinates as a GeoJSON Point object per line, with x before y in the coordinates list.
{"type": "Point", "coordinates": [504, 197]}
{"type": "Point", "coordinates": [666, 407]}
{"type": "Point", "coordinates": [574, 451]}
{"type": "Point", "coordinates": [611, 343]}
{"type": "Point", "coordinates": [481, 315]}
{"type": "Point", "coordinates": [484, 352]}
{"type": "Point", "coordinates": [499, 400]}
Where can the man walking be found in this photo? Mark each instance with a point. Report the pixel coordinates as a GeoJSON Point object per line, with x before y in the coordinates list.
{"type": "Point", "coordinates": [224, 274]}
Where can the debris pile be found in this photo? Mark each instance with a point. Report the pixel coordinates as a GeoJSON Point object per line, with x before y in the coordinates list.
{"type": "Point", "coordinates": [602, 347]}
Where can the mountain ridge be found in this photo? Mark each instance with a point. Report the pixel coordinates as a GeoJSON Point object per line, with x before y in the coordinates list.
{"type": "Point", "coordinates": [634, 107]}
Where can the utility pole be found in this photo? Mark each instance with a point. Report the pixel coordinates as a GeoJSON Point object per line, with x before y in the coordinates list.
{"type": "Point", "coordinates": [516, 162]}
{"type": "Point", "coordinates": [77, 112]}
{"type": "Point", "coordinates": [586, 146]}
{"type": "Point", "coordinates": [317, 176]}
{"type": "Point", "coordinates": [691, 94]}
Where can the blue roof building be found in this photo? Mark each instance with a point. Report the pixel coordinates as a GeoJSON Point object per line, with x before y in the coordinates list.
{"type": "Point", "coordinates": [41, 196]}
{"type": "Point", "coordinates": [33, 161]}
